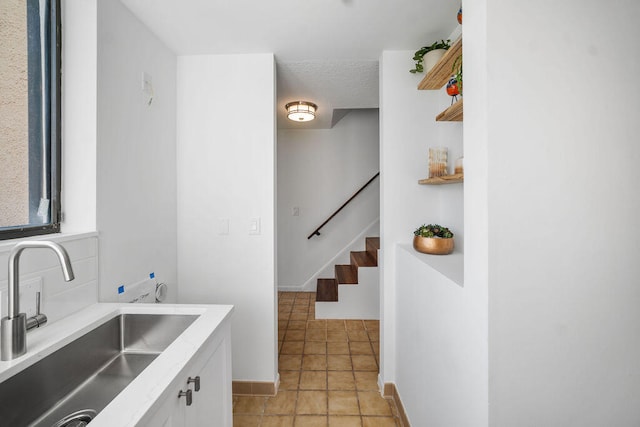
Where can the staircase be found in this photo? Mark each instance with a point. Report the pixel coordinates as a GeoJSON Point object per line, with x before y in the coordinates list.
{"type": "Point", "coordinates": [354, 291]}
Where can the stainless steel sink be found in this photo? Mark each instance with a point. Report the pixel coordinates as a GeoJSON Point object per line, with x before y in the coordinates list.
{"type": "Point", "coordinates": [70, 386]}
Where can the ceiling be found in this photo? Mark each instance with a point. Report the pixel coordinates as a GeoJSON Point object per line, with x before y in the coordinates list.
{"type": "Point", "coordinates": [326, 51]}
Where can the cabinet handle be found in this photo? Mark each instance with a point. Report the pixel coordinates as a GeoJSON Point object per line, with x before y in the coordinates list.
{"type": "Point", "coordinates": [196, 382]}
{"type": "Point", "coordinates": [188, 394]}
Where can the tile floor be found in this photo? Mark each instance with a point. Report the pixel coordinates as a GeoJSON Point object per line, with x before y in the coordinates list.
{"type": "Point", "coordinates": [328, 373]}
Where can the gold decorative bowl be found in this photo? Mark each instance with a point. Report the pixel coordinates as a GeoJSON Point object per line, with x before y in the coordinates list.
{"type": "Point", "coordinates": [433, 245]}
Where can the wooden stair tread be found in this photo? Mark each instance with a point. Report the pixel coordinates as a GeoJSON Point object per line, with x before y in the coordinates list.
{"type": "Point", "coordinates": [327, 290]}
{"type": "Point", "coordinates": [363, 259]}
{"type": "Point", "coordinates": [346, 274]}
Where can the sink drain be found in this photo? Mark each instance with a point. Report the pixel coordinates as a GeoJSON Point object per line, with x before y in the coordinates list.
{"type": "Point", "coordinates": [77, 419]}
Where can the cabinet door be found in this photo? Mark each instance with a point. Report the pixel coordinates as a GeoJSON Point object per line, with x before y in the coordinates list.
{"type": "Point", "coordinates": [212, 405]}
{"type": "Point", "coordinates": [172, 413]}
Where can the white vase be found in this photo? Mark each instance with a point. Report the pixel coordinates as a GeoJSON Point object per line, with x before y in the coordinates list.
{"type": "Point", "coordinates": [431, 58]}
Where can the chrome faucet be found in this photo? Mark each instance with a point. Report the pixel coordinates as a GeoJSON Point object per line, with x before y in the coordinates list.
{"type": "Point", "coordinates": [14, 325]}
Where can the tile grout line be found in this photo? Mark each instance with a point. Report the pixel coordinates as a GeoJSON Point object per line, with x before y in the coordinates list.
{"type": "Point", "coordinates": [286, 322]}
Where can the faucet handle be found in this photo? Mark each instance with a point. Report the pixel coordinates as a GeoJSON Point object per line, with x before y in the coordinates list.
{"type": "Point", "coordinates": [39, 319]}
{"type": "Point", "coordinates": [37, 303]}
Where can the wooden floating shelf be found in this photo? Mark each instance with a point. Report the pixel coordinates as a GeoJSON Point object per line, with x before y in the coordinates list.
{"type": "Point", "coordinates": [440, 74]}
{"type": "Point", "coordinates": [451, 114]}
{"type": "Point", "coordinates": [440, 180]}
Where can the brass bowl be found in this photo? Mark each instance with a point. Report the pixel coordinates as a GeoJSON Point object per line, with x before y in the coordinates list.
{"type": "Point", "coordinates": [433, 245]}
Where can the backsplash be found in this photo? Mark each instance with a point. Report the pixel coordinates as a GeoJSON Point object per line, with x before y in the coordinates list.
{"type": "Point", "coordinates": [40, 268]}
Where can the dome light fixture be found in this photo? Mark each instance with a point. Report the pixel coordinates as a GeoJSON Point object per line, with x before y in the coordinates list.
{"type": "Point", "coordinates": [301, 111]}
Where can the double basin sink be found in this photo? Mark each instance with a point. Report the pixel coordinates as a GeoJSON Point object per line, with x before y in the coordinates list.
{"type": "Point", "coordinates": [70, 386]}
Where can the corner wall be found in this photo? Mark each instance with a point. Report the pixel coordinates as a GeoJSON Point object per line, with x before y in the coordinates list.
{"type": "Point", "coordinates": [563, 213]}
{"type": "Point", "coordinates": [79, 104]}
{"type": "Point", "coordinates": [408, 128]}
{"type": "Point", "coordinates": [441, 359]}
{"type": "Point", "coordinates": [226, 177]}
{"type": "Point", "coordinates": [136, 148]}
{"type": "Point", "coordinates": [318, 170]}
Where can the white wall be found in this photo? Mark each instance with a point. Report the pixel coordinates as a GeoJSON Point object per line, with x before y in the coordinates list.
{"type": "Point", "coordinates": [226, 170]}
{"type": "Point", "coordinates": [408, 128]}
{"type": "Point", "coordinates": [318, 170]}
{"type": "Point", "coordinates": [441, 360]}
{"type": "Point", "coordinates": [79, 103]}
{"type": "Point", "coordinates": [136, 168]}
{"type": "Point", "coordinates": [475, 310]}
{"type": "Point", "coordinates": [564, 204]}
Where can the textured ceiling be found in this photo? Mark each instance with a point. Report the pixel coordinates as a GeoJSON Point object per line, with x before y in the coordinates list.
{"type": "Point", "coordinates": [326, 50]}
{"type": "Point", "coordinates": [329, 84]}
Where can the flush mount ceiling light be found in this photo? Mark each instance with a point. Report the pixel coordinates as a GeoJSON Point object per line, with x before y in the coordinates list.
{"type": "Point", "coordinates": [301, 111]}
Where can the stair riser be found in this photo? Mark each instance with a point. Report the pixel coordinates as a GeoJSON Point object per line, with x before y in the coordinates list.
{"type": "Point", "coordinates": [372, 245]}
{"type": "Point", "coordinates": [346, 274]}
{"type": "Point", "coordinates": [372, 250]}
{"type": "Point", "coordinates": [327, 290]}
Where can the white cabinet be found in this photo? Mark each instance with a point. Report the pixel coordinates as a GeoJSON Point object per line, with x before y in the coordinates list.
{"type": "Point", "coordinates": [211, 405]}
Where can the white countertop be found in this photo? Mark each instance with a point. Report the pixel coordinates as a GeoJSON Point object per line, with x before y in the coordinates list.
{"type": "Point", "coordinates": [135, 400]}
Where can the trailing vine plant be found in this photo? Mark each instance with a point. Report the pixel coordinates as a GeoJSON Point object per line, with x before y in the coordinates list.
{"type": "Point", "coordinates": [420, 53]}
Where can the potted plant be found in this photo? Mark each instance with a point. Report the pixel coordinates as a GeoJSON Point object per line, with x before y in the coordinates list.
{"type": "Point", "coordinates": [427, 56]}
{"type": "Point", "coordinates": [433, 239]}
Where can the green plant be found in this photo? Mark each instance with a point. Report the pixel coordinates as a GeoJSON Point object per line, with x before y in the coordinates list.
{"type": "Point", "coordinates": [456, 69]}
{"type": "Point", "coordinates": [433, 230]}
{"type": "Point", "coordinates": [420, 53]}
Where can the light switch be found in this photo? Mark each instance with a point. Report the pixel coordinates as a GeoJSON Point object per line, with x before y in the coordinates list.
{"type": "Point", "coordinates": [223, 226]}
{"type": "Point", "coordinates": [254, 226]}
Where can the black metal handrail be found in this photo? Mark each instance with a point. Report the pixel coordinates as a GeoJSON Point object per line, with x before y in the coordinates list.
{"type": "Point", "coordinates": [316, 232]}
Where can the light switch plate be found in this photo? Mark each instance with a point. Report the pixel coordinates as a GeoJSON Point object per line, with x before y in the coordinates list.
{"type": "Point", "coordinates": [223, 226]}
{"type": "Point", "coordinates": [254, 226]}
